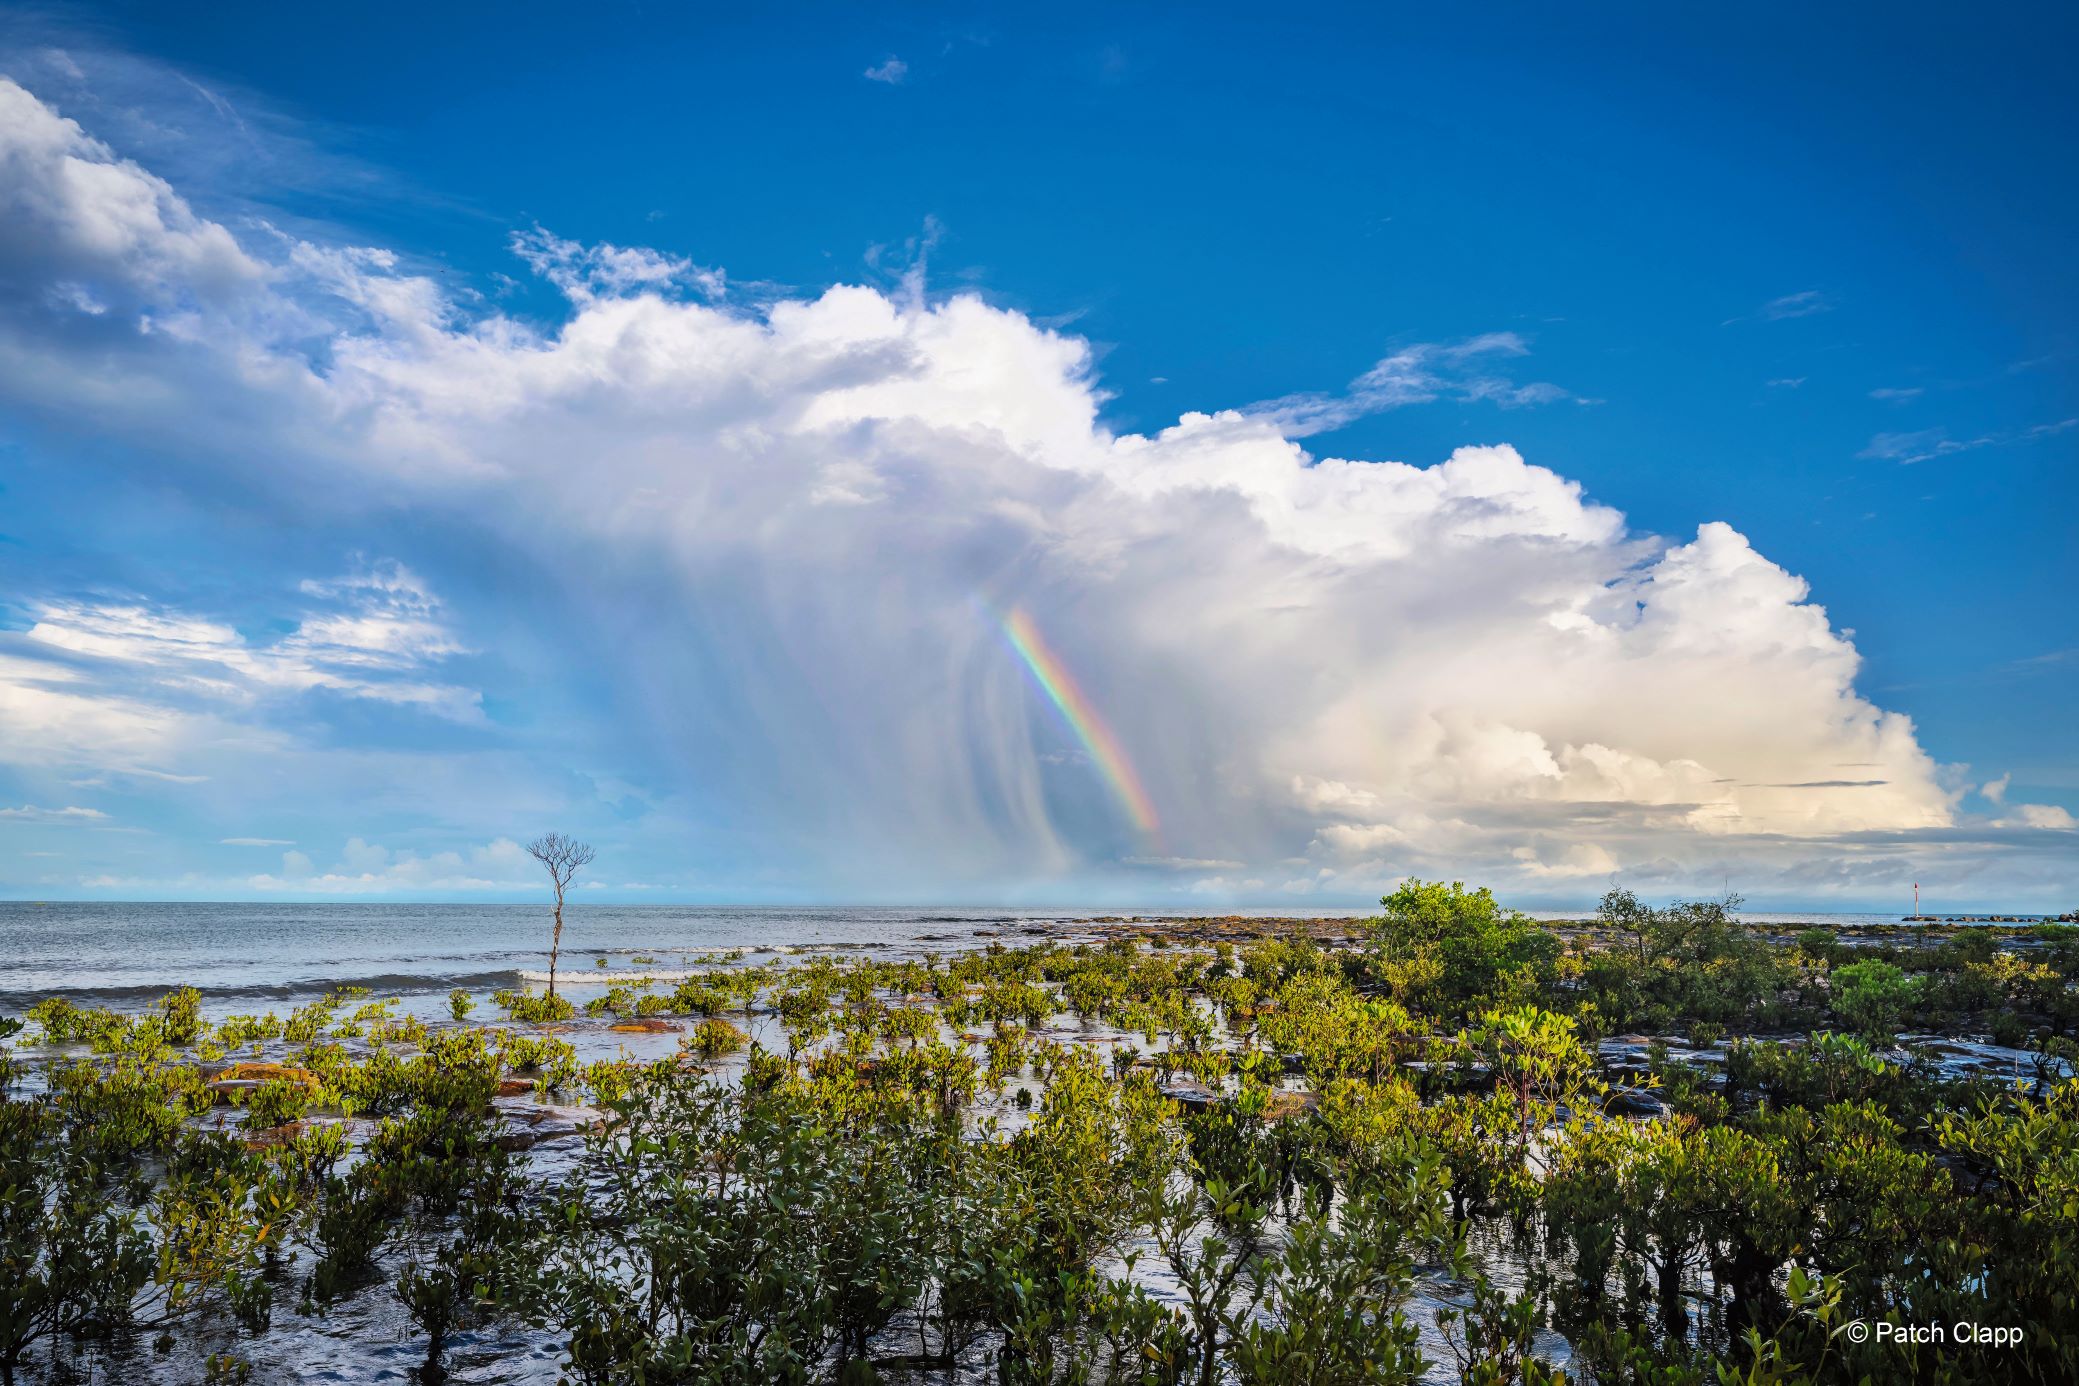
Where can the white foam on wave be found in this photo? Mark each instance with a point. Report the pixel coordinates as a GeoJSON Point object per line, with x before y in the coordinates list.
{"type": "Point", "coordinates": [578, 978]}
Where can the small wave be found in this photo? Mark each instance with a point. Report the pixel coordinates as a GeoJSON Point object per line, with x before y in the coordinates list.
{"type": "Point", "coordinates": [577, 977]}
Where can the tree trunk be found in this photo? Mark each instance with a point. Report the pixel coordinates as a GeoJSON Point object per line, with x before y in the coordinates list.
{"type": "Point", "coordinates": [555, 943]}
{"type": "Point", "coordinates": [1752, 1277]}
{"type": "Point", "coordinates": [1674, 1311]}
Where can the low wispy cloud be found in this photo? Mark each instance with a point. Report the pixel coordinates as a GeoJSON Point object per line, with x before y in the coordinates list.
{"type": "Point", "coordinates": [1928, 443]}
{"type": "Point", "coordinates": [256, 842]}
{"type": "Point", "coordinates": [72, 814]}
{"type": "Point", "coordinates": [368, 868]}
{"type": "Point", "coordinates": [104, 690]}
{"type": "Point", "coordinates": [890, 71]}
{"type": "Point", "coordinates": [1785, 382]}
{"type": "Point", "coordinates": [1899, 395]}
{"type": "Point", "coordinates": [375, 633]}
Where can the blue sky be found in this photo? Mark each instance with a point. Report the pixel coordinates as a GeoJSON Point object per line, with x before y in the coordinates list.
{"type": "Point", "coordinates": [1805, 275]}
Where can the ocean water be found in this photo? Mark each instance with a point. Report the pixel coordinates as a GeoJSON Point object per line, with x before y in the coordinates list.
{"type": "Point", "coordinates": [112, 953]}
{"type": "Point", "coordinates": [240, 954]}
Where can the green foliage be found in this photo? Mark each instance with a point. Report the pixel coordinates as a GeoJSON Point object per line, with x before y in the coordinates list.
{"type": "Point", "coordinates": [238, 1031]}
{"type": "Point", "coordinates": [1819, 943]}
{"type": "Point", "coordinates": [457, 1228]}
{"type": "Point", "coordinates": [70, 1262]}
{"type": "Point", "coordinates": [277, 1103]}
{"type": "Point", "coordinates": [528, 1009]}
{"type": "Point", "coordinates": [1873, 996]}
{"type": "Point", "coordinates": [1536, 1061]}
{"type": "Point", "coordinates": [1330, 1302]}
{"type": "Point", "coordinates": [1690, 959]}
{"type": "Point", "coordinates": [2018, 1164]}
{"type": "Point", "coordinates": [62, 1022]}
{"type": "Point", "coordinates": [552, 1060]}
{"type": "Point", "coordinates": [1335, 1032]}
{"type": "Point", "coordinates": [180, 1015]}
{"type": "Point", "coordinates": [1494, 1339]}
{"type": "Point", "coordinates": [1444, 949]}
{"type": "Point", "coordinates": [712, 1038]}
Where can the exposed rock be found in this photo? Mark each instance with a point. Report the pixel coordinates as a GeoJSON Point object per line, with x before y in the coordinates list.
{"type": "Point", "coordinates": [236, 1080]}
{"type": "Point", "coordinates": [1192, 1097]}
{"type": "Point", "coordinates": [356, 1130]}
{"type": "Point", "coordinates": [646, 1025]}
{"type": "Point", "coordinates": [255, 1071]}
{"type": "Point", "coordinates": [1642, 1102]}
{"type": "Point", "coordinates": [271, 1136]}
{"type": "Point", "coordinates": [526, 1125]}
{"type": "Point", "coordinates": [1289, 1104]}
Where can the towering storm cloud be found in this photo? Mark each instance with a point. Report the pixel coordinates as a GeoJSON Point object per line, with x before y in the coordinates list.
{"type": "Point", "coordinates": [798, 539]}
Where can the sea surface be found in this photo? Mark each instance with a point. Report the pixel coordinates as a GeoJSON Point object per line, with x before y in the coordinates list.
{"type": "Point", "coordinates": [122, 954]}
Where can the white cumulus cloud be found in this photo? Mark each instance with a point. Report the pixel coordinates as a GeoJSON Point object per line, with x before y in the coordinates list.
{"type": "Point", "coordinates": [790, 531]}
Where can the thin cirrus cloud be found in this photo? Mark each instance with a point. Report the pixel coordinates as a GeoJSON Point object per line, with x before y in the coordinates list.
{"type": "Point", "coordinates": [796, 516]}
{"type": "Point", "coordinates": [1925, 445]}
{"type": "Point", "coordinates": [1467, 371]}
{"type": "Point", "coordinates": [1797, 305]}
{"type": "Point", "coordinates": [1803, 304]}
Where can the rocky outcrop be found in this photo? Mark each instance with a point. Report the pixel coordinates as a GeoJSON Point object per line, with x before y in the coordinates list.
{"type": "Point", "coordinates": [235, 1080]}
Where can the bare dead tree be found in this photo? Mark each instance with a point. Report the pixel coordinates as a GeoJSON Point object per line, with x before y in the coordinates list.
{"type": "Point", "coordinates": [561, 857]}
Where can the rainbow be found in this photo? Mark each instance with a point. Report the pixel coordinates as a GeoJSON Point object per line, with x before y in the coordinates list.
{"type": "Point", "coordinates": [1054, 680]}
